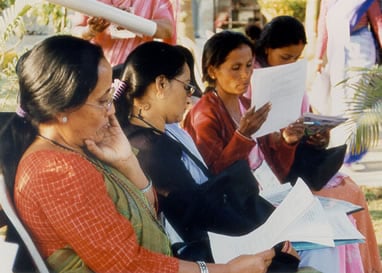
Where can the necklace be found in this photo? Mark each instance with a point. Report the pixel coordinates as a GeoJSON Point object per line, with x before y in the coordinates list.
{"type": "Point", "coordinates": [139, 117]}
{"type": "Point", "coordinates": [56, 143]}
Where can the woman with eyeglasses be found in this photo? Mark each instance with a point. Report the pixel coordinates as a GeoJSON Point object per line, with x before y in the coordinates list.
{"type": "Point", "coordinates": [153, 95]}
{"type": "Point", "coordinates": [77, 184]}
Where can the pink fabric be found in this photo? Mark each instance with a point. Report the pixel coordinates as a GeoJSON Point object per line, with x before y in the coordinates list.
{"type": "Point", "coordinates": [350, 256]}
{"type": "Point", "coordinates": [116, 50]}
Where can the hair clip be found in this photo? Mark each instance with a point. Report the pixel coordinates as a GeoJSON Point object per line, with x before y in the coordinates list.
{"type": "Point", "coordinates": [20, 111]}
{"type": "Point", "coordinates": [119, 87]}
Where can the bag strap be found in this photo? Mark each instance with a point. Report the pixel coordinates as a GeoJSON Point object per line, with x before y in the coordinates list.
{"type": "Point", "coordinates": [175, 140]}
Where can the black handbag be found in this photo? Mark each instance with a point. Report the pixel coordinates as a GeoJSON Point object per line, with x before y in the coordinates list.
{"type": "Point", "coordinates": [233, 197]}
{"type": "Point", "coordinates": [316, 166]}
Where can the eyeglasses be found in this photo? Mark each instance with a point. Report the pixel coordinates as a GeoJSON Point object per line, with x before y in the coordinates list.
{"type": "Point", "coordinates": [104, 105]}
{"type": "Point", "coordinates": [190, 89]}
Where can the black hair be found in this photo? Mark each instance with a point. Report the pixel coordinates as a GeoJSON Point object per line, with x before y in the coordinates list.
{"type": "Point", "coordinates": [218, 47]}
{"type": "Point", "coordinates": [141, 68]}
{"type": "Point", "coordinates": [253, 31]}
{"type": "Point", "coordinates": [57, 74]}
{"type": "Point", "coordinates": [191, 64]}
{"type": "Point", "coordinates": [281, 31]}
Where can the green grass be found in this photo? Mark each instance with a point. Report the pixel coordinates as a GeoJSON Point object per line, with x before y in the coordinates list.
{"type": "Point", "coordinates": [374, 200]}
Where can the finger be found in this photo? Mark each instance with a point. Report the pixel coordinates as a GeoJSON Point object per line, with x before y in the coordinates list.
{"type": "Point", "coordinates": [265, 108]}
{"type": "Point", "coordinates": [113, 121]}
{"type": "Point", "coordinates": [92, 147]}
{"type": "Point", "coordinates": [287, 247]}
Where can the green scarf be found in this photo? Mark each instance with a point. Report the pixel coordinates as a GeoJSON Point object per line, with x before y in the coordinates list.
{"type": "Point", "coordinates": [132, 204]}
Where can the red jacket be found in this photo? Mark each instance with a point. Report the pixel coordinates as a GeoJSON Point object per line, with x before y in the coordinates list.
{"type": "Point", "coordinates": [214, 132]}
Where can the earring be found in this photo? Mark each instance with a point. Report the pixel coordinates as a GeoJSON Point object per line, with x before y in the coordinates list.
{"type": "Point", "coordinates": [64, 119]}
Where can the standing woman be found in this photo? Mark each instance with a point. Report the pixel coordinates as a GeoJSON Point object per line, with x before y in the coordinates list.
{"type": "Point", "coordinates": [78, 187]}
{"type": "Point", "coordinates": [348, 33]}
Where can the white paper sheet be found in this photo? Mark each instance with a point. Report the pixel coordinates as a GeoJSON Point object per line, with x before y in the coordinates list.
{"type": "Point", "coordinates": [284, 86]}
{"type": "Point", "coordinates": [299, 202]}
{"type": "Point", "coordinates": [122, 18]}
{"type": "Point", "coordinates": [300, 218]}
{"type": "Point", "coordinates": [8, 253]}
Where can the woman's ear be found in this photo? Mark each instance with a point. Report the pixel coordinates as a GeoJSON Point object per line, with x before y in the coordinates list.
{"type": "Point", "coordinates": [161, 83]}
{"type": "Point", "coordinates": [62, 118]}
{"type": "Point", "coordinates": [211, 72]}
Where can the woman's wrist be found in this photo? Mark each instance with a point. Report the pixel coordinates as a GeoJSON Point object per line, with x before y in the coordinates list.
{"type": "Point", "coordinates": [148, 187]}
{"type": "Point", "coordinates": [202, 266]}
{"type": "Point", "coordinates": [89, 33]}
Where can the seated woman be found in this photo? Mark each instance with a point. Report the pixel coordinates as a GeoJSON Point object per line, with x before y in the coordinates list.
{"type": "Point", "coordinates": [153, 109]}
{"type": "Point", "coordinates": [78, 187]}
{"type": "Point", "coordinates": [222, 124]}
{"type": "Point", "coordinates": [281, 42]}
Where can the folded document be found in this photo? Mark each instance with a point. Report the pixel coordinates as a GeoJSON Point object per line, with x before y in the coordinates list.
{"type": "Point", "coordinates": [299, 218]}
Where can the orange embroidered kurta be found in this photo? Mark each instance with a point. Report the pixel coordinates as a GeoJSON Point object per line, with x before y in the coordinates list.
{"type": "Point", "coordinates": [62, 200]}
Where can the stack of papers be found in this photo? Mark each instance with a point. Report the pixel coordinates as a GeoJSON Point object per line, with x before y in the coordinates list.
{"type": "Point", "coordinates": [299, 218]}
{"type": "Point", "coordinates": [320, 123]}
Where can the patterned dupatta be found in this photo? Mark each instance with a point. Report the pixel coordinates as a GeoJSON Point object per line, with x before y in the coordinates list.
{"type": "Point", "coordinates": [132, 204]}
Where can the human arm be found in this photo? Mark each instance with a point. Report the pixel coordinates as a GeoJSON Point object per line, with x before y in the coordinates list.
{"type": "Point", "coordinates": [375, 17]}
{"type": "Point", "coordinates": [214, 134]}
{"type": "Point", "coordinates": [77, 211]}
{"type": "Point", "coordinates": [70, 197]}
{"type": "Point", "coordinates": [258, 263]}
{"type": "Point", "coordinates": [253, 119]}
{"type": "Point", "coordinates": [159, 11]}
{"type": "Point", "coordinates": [115, 149]}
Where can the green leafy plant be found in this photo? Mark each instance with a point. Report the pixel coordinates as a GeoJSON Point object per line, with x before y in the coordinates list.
{"type": "Point", "coordinates": [273, 8]}
{"type": "Point", "coordinates": [365, 108]}
{"type": "Point", "coordinates": [12, 32]}
{"type": "Point", "coordinates": [47, 13]}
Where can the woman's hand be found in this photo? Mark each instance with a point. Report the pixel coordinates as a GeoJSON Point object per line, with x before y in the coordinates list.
{"type": "Point", "coordinates": [294, 132]}
{"type": "Point", "coordinates": [288, 248]}
{"type": "Point", "coordinates": [253, 119]}
{"type": "Point", "coordinates": [319, 140]}
{"type": "Point", "coordinates": [95, 26]}
{"type": "Point", "coordinates": [257, 263]}
{"type": "Point", "coordinates": [114, 147]}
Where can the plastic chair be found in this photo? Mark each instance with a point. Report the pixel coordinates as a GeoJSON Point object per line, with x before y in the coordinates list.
{"type": "Point", "coordinates": [8, 207]}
